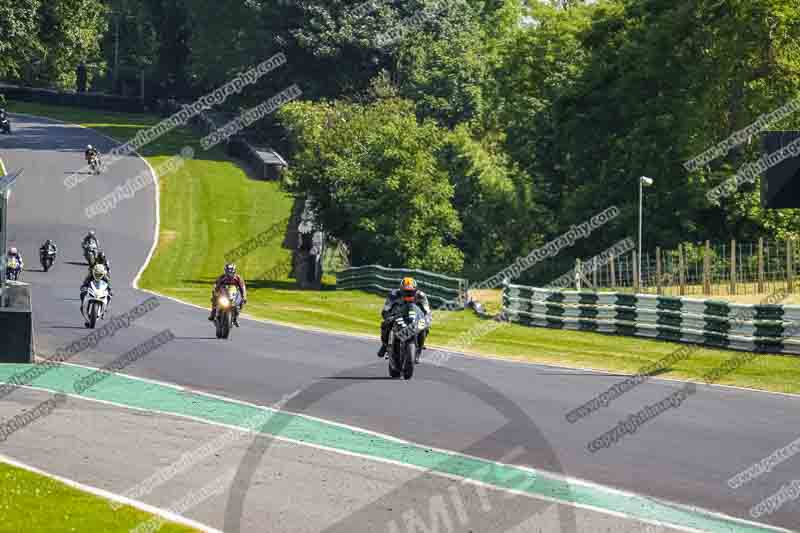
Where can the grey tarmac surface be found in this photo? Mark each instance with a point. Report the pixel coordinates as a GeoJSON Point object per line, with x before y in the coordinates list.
{"type": "Point", "coordinates": [686, 455]}
{"type": "Point", "coordinates": [297, 489]}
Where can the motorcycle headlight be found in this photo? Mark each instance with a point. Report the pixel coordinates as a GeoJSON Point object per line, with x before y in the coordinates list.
{"type": "Point", "coordinates": [224, 302]}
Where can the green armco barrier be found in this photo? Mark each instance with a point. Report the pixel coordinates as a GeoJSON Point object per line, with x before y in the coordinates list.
{"type": "Point", "coordinates": [670, 303]}
{"type": "Point", "coordinates": [758, 328]}
{"type": "Point", "coordinates": [768, 312]}
{"type": "Point", "coordinates": [587, 297]}
{"type": "Point", "coordinates": [717, 308]}
{"type": "Point", "coordinates": [375, 278]}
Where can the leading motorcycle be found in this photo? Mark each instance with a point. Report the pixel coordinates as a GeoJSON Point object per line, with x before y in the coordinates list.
{"type": "Point", "coordinates": [13, 269]}
{"type": "Point", "coordinates": [228, 302]}
{"type": "Point", "coordinates": [402, 348]}
{"type": "Point", "coordinates": [96, 302]}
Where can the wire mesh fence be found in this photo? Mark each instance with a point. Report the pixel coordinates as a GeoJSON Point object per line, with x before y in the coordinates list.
{"type": "Point", "coordinates": [693, 269]}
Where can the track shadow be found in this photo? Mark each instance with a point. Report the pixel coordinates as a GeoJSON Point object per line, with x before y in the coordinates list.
{"type": "Point", "coordinates": [257, 284]}
{"type": "Point", "coordinates": [269, 284]}
{"type": "Point", "coordinates": [361, 378]}
{"type": "Point", "coordinates": [76, 263]}
{"type": "Point", "coordinates": [195, 338]}
{"type": "Point", "coordinates": [63, 327]}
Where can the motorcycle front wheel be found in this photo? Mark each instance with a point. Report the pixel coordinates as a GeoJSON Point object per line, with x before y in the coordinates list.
{"type": "Point", "coordinates": [408, 363]}
{"type": "Point", "coordinates": [92, 314]}
{"type": "Point", "coordinates": [224, 322]}
{"type": "Point", "coordinates": [396, 360]}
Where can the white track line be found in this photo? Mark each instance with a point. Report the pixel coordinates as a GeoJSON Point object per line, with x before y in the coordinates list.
{"type": "Point", "coordinates": [462, 354]}
{"type": "Point", "coordinates": [163, 513]}
{"type": "Point", "coordinates": [465, 355]}
{"type": "Point", "coordinates": [560, 477]}
{"type": "Point", "coordinates": [477, 356]}
{"type": "Point", "coordinates": [388, 437]}
{"type": "Point", "coordinates": [152, 175]}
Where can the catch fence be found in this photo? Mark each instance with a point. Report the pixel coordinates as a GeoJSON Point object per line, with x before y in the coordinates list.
{"type": "Point", "coordinates": [723, 269]}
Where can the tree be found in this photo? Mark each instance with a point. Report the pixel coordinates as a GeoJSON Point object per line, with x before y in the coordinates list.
{"type": "Point", "coordinates": [18, 43]}
{"type": "Point", "coordinates": [70, 31]}
{"type": "Point", "coordinates": [43, 42]}
{"type": "Point", "coordinates": [375, 181]}
{"type": "Point", "coordinates": [495, 201]}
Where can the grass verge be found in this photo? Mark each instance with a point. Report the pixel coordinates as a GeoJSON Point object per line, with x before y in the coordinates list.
{"type": "Point", "coordinates": [32, 502]}
{"type": "Point", "coordinates": [210, 207]}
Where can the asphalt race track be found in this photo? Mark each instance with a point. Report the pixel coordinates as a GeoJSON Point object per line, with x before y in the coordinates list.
{"type": "Point", "coordinates": [686, 455]}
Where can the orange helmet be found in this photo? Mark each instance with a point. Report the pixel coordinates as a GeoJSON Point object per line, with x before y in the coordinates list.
{"type": "Point", "coordinates": [409, 289]}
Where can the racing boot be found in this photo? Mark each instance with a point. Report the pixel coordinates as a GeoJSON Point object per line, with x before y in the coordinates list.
{"type": "Point", "coordinates": [382, 352]}
{"type": "Point", "coordinates": [420, 345]}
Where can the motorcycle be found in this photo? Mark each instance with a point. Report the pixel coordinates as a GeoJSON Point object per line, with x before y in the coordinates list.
{"type": "Point", "coordinates": [228, 302]}
{"type": "Point", "coordinates": [13, 269]}
{"type": "Point", "coordinates": [90, 253]}
{"type": "Point", "coordinates": [47, 258]}
{"type": "Point", "coordinates": [5, 126]}
{"type": "Point", "coordinates": [402, 346]}
{"type": "Point", "coordinates": [95, 303]}
{"type": "Point", "coordinates": [94, 163]}
{"type": "Point", "coordinates": [107, 263]}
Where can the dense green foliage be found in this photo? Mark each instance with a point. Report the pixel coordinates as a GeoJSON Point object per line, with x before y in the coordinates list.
{"type": "Point", "coordinates": [450, 135]}
{"type": "Point", "coordinates": [43, 41]}
{"type": "Point", "coordinates": [374, 174]}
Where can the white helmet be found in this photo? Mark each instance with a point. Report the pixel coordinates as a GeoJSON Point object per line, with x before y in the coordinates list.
{"type": "Point", "coordinates": [99, 271]}
{"type": "Point", "coordinates": [88, 146]}
{"type": "Point", "coordinates": [12, 251]}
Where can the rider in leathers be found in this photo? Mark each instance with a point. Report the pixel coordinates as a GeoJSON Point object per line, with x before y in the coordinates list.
{"type": "Point", "coordinates": [46, 247]}
{"type": "Point", "coordinates": [103, 260]}
{"type": "Point", "coordinates": [90, 152]}
{"type": "Point", "coordinates": [407, 292]}
{"type": "Point", "coordinates": [97, 272]}
{"type": "Point", "coordinates": [89, 238]}
{"type": "Point", "coordinates": [230, 277]}
{"type": "Point", "coordinates": [13, 252]}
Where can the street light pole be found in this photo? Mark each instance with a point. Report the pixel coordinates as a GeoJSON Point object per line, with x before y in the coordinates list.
{"type": "Point", "coordinates": [643, 180]}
